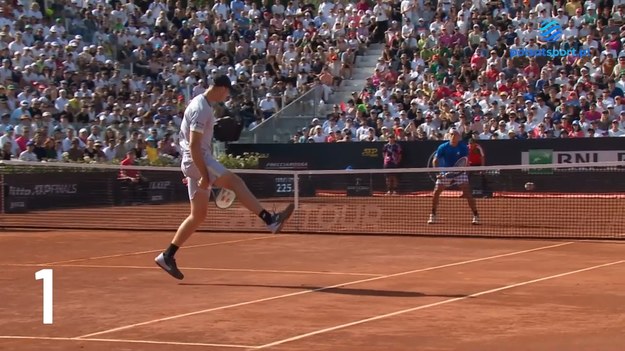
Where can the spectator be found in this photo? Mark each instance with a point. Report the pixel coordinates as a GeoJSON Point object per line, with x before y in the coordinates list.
{"type": "Point", "coordinates": [29, 154]}
{"type": "Point", "coordinates": [98, 152]}
{"type": "Point", "coordinates": [49, 150]}
{"type": "Point", "coordinates": [467, 68]}
{"type": "Point", "coordinates": [9, 138]}
{"type": "Point", "coordinates": [129, 67]}
{"type": "Point", "coordinates": [23, 139]}
{"type": "Point", "coordinates": [7, 151]}
{"type": "Point", "coordinates": [268, 106]}
{"type": "Point", "coordinates": [76, 152]}
{"type": "Point", "coordinates": [392, 159]}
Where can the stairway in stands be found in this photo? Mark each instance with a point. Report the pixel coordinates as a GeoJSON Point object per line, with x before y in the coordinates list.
{"type": "Point", "coordinates": [282, 126]}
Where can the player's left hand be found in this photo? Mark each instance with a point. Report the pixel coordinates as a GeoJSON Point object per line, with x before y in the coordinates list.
{"type": "Point", "coordinates": [203, 183]}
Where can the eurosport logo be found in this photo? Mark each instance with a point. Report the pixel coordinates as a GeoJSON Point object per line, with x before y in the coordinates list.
{"type": "Point", "coordinates": [551, 53]}
{"type": "Point", "coordinates": [550, 32]}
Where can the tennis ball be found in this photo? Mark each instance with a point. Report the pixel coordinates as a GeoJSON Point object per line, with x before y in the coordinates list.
{"type": "Point", "coordinates": [529, 186]}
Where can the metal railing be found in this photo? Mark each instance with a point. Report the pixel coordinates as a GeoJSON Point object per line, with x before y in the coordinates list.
{"type": "Point", "coordinates": [304, 108]}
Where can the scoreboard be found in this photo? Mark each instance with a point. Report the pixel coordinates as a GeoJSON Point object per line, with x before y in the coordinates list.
{"type": "Point", "coordinates": [284, 186]}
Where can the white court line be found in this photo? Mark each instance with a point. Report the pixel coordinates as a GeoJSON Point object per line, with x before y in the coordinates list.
{"type": "Point", "coordinates": [444, 302]}
{"type": "Point", "coordinates": [161, 249]}
{"type": "Point", "coordinates": [123, 341]}
{"type": "Point", "coordinates": [320, 289]}
{"type": "Point", "coordinates": [272, 271]}
{"type": "Point", "coordinates": [602, 241]}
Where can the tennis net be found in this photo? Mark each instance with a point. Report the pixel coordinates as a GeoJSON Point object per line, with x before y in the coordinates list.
{"type": "Point", "coordinates": [585, 201]}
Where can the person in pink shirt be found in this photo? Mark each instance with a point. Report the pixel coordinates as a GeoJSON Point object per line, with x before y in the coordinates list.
{"type": "Point", "coordinates": [445, 39]}
{"type": "Point", "coordinates": [577, 131]}
{"type": "Point", "coordinates": [23, 139]}
{"type": "Point", "coordinates": [592, 114]}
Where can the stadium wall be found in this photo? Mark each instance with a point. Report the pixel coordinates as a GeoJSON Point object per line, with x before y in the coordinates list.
{"type": "Point", "coordinates": [368, 155]}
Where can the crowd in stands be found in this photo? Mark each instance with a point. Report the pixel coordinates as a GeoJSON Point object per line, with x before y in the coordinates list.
{"type": "Point", "coordinates": [476, 66]}
{"type": "Point", "coordinates": [93, 79]}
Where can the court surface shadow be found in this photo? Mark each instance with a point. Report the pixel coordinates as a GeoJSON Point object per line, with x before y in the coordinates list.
{"type": "Point", "coordinates": [336, 290]}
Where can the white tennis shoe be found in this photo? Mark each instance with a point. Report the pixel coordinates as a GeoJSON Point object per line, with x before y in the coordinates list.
{"type": "Point", "coordinates": [278, 219]}
{"type": "Point", "coordinates": [432, 219]}
{"type": "Point", "coordinates": [476, 220]}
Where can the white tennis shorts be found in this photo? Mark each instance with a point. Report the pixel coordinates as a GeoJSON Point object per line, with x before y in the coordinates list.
{"type": "Point", "coordinates": [449, 182]}
{"type": "Point", "coordinates": [190, 170]}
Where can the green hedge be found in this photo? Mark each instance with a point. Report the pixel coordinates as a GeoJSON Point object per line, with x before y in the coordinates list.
{"type": "Point", "coordinates": [247, 161]}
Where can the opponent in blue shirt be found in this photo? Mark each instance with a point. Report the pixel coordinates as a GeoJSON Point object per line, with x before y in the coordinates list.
{"type": "Point", "coordinates": [447, 155]}
{"type": "Point", "coordinates": [450, 152]}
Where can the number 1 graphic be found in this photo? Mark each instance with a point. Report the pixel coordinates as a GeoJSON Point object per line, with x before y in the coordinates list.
{"type": "Point", "coordinates": [46, 275]}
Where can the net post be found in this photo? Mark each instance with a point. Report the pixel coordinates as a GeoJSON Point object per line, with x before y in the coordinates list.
{"type": "Point", "coordinates": [296, 190]}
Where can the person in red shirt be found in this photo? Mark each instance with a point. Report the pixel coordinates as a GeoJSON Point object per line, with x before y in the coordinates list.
{"type": "Point", "coordinates": [23, 139]}
{"type": "Point", "coordinates": [532, 71]}
{"type": "Point", "coordinates": [478, 61]}
{"type": "Point", "coordinates": [476, 153]}
{"type": "Point", "coordinates": [126, 173]}
{"type": "Point", "coordinates": [491, 73]}
{"type": "Point", "coordinates": [131, 180]}
{"type": "Point", "coordinates": [477, 158]}
{"type": "Point", "coordinates": [362, 5]}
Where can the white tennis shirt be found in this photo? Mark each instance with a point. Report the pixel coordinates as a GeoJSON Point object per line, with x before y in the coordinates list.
{"type": "Point", "coordinates": [198, 117]}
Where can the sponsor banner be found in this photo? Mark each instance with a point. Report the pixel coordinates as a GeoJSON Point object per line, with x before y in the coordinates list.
{"type": "Point", "coordinates": [285, 165]}
{"type": "Point", "coordinates": [54, 190]}
{"type": "Point", "coordinates": [533, 157]}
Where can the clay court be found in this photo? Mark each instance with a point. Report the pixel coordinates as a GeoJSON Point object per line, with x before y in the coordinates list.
{"type": "Point", "coordinates": [283, 292]}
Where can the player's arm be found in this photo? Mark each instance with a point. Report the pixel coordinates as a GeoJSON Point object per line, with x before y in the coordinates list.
{"type": "Point", "coordinates": [438, 155]}
{"type": "Point", "coordinates": [196, 126]}
{"type": "Point", "coordinates": [482, 154]}
{"type": "Point", "coordinates": [196, 152]}
{"type": "Point", "coordinates": [124, 175]}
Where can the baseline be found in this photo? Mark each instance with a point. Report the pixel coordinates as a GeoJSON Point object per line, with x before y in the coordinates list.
{"type": "Point", "coordinates": [124, 341]}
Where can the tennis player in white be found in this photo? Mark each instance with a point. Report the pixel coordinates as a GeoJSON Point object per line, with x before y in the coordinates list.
{"type": "Point", "coordinates": [203, 171]}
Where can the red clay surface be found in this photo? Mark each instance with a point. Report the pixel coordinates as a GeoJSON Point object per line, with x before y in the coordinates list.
{"type": "Point", "coordinates": [311, 292]}
{"type": "Point", "coordinates": [546, 217]}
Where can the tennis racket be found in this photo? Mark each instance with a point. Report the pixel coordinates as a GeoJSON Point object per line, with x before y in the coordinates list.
{"type": "Point", "coordinates": [222, 197]}
{"type": "Point", "coordinates": [462, 162]}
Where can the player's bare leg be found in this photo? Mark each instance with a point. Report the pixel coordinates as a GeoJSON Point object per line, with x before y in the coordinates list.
{"type": "Point", "coordinates": [438, 190]}
{"type": "Point", "coordinates": [233, 182]}
{"type": "Point", "coordinates": [468, 194]}
{"type": "Point", "coordinates": [199, 208]}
